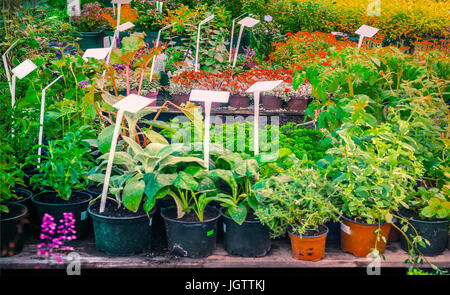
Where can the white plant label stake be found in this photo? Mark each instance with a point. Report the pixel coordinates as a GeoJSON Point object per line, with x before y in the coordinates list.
{"type": "Point", "coordinates": [232, 36]}
{"type": "Point", "coordinates": [119, 6]}
{"type": "Point", "coordinates": [156, 45]}
{"type": "Point", "coordinates": [73, 8]}
{"type": "Point", "coordinates": [41, 120]}
{"type": "Point", "coordinates": [246, 22]}
{"type": "Point", "coordinates": [257, 88]}
{"type": "Point", "coordinates": [21, 71]}
{"type": "Point", "coordinates": [97, 53]}
{"type": "Point", "coordinates": [365, 31]}
{"type": "Point", "coordinates": [198, 39]}
{"type": "Point", "coordinates": [5, 63]}
{"type": "Point", "coordinates": [208, 97]}
{"type": "Point", "coordinates": [159, 6]}
{"type": "Point", "coordinates": [132, 103]}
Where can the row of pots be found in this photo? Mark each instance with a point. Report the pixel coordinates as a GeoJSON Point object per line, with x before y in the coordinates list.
{"type": "Point", "coordinates": [268, 102]}
{"type": "Point", "coordinates": [131, 235]}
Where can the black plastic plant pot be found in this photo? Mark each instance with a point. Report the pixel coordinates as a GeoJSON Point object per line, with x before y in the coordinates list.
{"type": "Point", "coordinates": [12, 229]}
{"type": "Point", "coordinates": [251, 239]}
{"type": "Point", "coordinates": [122, 236]}
{"type": "Point", "coordinates": [90, 39]}
{"type": "Point", "coordinates": [195, 239]}
{"type": "Point", "coordinates": [25, 199]}
{"type": "Point", "coordinates": [77, 205]}
{"type": "Point", "coordinates": [334, 232]}
{"type": "Point", "coordinates": [436, 232]}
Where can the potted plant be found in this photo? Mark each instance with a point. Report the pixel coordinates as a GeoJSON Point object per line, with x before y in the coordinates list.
{"type": "Point", "coordinates": [127, 14]}
{"type": "Point", "coordinates": [139, 179]}
{"type": "Point", "coordinates": [244, 234]}
{"type": "Point", "coordinates": [150, 18]}
{"type": "Point", "coordinates": [62, 178]}
{"type": "Point", "coordinates": [372, 166]}
{"type": "Point", "coordinates": [428, 216]}
{"type": "Point", "coordinates": [13, 212]}
{"type": "Point", "coordinates": [89, 26]}
{"type": "Point", "coordinates": [269, 100]}
{"type": "Point", "coordinates": [129, 67]}
{"type": "Point", "coordinates": [298, 202]}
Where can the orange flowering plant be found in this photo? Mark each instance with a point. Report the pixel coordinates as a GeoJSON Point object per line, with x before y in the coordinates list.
{"type": "Point", "coordinates": [304, 49]}
{"type": "Point", "coordinates": [127, 14]}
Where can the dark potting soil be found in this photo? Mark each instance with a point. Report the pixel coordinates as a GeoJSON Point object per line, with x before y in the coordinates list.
{"type": "Point", "coordinates": [112, 210]}
{"type": "Point", "coordinates": [191, 216]}
{"type": "Point", "coordinates": [51, 198]}
{"type": "Point", "coordinates": [314, 233]}
{"type": "Point", "coordinates": [95, 189]}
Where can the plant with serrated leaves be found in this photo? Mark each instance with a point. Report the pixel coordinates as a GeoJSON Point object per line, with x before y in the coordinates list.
{"type": "Point", "coordinates": [65, 163]}
{"type": "Point", "coordinates": [297, 200]}
{"type": "Point", "coordinates": [430, 204]}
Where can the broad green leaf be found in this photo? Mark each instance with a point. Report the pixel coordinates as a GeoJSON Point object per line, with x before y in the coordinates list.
{"type": "Point", "coordinates": [185, 181]}
{"type": "Point", "coordinates": [105, 138]}
{"type": "Point", "coordinates": [133, 193]}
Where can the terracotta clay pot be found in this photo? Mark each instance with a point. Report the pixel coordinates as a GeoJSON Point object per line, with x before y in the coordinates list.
{"type": "Point", "coordinates": [271, 102]}
{"type": "Point", "coordinates": [239, 101]}
{"type": "Point", "coordinates": [360, 238]}
{"type": "Point", "coordinates": [298, 103]}
{"type": "Point", "coordinates": [308, 247]}
{"type": "Point", "coordinates": [178, 99]}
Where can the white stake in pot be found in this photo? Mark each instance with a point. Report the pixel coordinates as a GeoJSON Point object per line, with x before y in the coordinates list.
{"type": "Point", "coordinates": [365, 31]}
{"type": "Point", "coordinates": [246, 22]}
{"type": "Point", "coordinates": [41, 120]}
{"type": "Point", "coordinates": [132, 103]}
{"type": "Point", "coordinates": [208, 97]}
{"type": "Point", "coordinates": [257, 88]}
{"type": "Point", "coordinates": [197, 66]}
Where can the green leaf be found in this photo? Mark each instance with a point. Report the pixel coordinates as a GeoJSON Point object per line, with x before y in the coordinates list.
{"type": "Point", "coordinates": [238, 213]}
{"type": "Point", "coordinates": [132, 194]}
{"type": "Point", "coordinates": [185, 181]}
{"type": "Point", "coordinates": [105, 138]}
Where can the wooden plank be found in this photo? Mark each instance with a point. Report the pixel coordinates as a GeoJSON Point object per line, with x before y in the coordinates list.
{"type": "Point", "coordinates": [279, 257]}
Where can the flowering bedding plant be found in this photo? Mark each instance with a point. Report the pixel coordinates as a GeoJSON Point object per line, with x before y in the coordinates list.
{"type": "Point", "coordinates": [90, 18]}
{"type": "Point", "coordinates": [303, 49]}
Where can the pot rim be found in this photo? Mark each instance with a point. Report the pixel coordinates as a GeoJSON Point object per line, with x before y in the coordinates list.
{"type": "Point", "coordinates": [24, 190]}
{"type": "Point", "coordinates": [23, 212]}
{"type": "Point", "coordinates": [191, 222]}
{"type": "Point", "coordinates": [136, 216]}
{"type": "Point", "coordinates": [222, 213]}
{"type": "Point", "coordinates": [362, 223]}
{"type": "Point", "coordinates": [424, 221]}
{"type": "Point", "coordinates": [309, 237]}
{"type": "Point", "coordinates": [33, 198]}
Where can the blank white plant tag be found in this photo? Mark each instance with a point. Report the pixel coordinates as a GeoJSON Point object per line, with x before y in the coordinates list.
{"type": "Point", "coordinates": [84, 215]}
{"type": "Point", "coordinates": [346, 229]}
{"type": "Point", "coordinates": [121, 1]}
{"type": "Point", "coordinates": [125, 26]}
{"type": "Point", "coordinates": [264, 86]}
{"type": "Point", "coordinates": [224, 228]}
{"type": "Point", "coordinates": [24, 69]}
{"type": "Point", "coordinates": [97, 53]}
{"type": "Point", "coordinates": [73, 7]}
{"type": "Point", "coordinates": [133, 103]}
{"type": "Point", "coordinates": [248, 22]}
{"type": "Point", "coordinates": [367, 31]}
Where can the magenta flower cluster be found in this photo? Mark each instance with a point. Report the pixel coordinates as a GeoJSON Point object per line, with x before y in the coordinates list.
{"type": "Point", "coordinates": [55, 235]}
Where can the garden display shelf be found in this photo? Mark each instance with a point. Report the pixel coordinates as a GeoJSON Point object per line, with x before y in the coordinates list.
{"type": "Point", "coordinates": [280, 256]}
